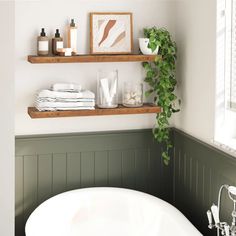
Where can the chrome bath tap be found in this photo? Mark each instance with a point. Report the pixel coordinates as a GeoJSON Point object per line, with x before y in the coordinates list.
{"type": "Point", "coordinates": [223, 227]}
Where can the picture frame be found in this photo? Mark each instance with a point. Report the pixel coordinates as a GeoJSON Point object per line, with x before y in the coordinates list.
{"type": "Point", "coordinates": [111, 33]}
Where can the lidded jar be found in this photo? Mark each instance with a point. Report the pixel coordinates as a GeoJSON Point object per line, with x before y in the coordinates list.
{"type": "Point", "coordinates": [132, 94]}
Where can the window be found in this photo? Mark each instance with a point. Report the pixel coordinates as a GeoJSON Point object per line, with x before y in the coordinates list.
{"type": "Point", "coordinates": [225, 123]}
{"type": "Point", "coordinates": [232, 101]}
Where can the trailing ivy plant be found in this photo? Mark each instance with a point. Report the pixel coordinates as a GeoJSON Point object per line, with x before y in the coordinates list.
{"type": "Point", "coordinates": [160, 76]}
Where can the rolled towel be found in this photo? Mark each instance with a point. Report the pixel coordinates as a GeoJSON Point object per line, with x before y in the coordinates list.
{"type": "Point", "coordinates": [54, 94]}
{"type": "Point", "coordinates": [66, 87]}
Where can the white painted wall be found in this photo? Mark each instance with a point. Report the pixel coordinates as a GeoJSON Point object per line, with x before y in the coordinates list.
{"type": "Point", "coordinates": [7, 118]}
{"type": "Point", "coordinates": [195, 33]}
{"type": "Point", "coordinates": [52, 14]}
{"type": "Point", "coordinates": [196, 40]}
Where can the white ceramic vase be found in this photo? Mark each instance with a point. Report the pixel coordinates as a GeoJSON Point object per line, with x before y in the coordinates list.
{"type": "Point", "coordinates": [143, 45]}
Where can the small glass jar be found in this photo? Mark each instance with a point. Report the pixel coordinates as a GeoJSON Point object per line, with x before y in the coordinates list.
{"type": "Point", "coordinates": [132, 94]}
{"type": "Point", "coordinates": [107, 89]}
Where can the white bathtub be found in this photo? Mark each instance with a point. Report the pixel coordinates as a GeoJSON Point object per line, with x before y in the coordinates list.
{"type": "Point", "coordinates": [107, 212]}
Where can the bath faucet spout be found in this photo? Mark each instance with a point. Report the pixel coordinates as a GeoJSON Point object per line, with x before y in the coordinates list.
{"type": "Point", "coordinates": [223, 227]}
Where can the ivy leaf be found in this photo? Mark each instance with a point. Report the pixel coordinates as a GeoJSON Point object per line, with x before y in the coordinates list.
{"type": "Point", "coordinates": [148, 93]}
{"type": "Point", "coordinates": [166, 158]}
{"type": "Point", "coordinates": [175, 110]}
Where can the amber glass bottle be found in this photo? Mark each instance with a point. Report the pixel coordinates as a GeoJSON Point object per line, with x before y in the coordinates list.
{"type": "Point", "coordinates": [57, 42]}
{"type": "Point", "coordinates": [43, 44]}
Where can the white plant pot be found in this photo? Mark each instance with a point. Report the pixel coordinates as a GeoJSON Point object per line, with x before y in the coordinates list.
{"type": "Point", "coordinates": [143, 45]}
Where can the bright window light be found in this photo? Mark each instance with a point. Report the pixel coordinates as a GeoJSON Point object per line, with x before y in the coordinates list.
{"type": "Point", "coordinates": [225, 116]}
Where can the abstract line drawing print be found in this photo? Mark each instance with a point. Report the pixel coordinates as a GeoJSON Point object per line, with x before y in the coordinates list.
{"type": "Point", "coordinates": [111, 33]}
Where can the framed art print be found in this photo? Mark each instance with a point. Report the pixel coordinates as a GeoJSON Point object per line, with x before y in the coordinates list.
{"type": "Point", "coordinates": [111, 33]}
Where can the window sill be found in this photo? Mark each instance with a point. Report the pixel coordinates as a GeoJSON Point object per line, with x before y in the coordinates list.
{"type": "Point", "coordinates": [227, 145]}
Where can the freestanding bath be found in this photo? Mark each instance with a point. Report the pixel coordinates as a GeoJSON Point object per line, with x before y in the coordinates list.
{"type": "Point", "coordinates": [107, 212]}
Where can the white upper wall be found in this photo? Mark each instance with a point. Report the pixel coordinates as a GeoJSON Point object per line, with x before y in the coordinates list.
{"type": "Point", "coordinates": [196, 40]}
{"type": "Point", "coordinates": [7, 155]}
{"type": "Point", "coordinates": [192, 22]}
{"type": "Point", "coordinates": [31, 16]}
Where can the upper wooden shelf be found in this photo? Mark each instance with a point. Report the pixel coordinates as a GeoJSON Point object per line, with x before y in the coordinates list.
{"type": "Point", "coordinates": [91, 58]}
{"type": "Point", "coordinates": [120, 110]}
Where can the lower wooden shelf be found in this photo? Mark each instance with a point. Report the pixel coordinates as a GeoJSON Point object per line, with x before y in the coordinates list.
{"type": "Point", "coordinates": [120, 110]}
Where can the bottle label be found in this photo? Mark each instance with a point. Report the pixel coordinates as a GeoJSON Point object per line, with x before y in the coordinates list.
{"type": "Point", "coordinates": [73, 39]}
{"type": "Point", "coordinates": [43, 46]}
{"type": "Point", "coordinates": [59, 45]}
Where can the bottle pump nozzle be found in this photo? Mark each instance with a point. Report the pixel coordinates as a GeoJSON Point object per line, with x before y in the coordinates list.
{"type": "Point", "coordinates": [72, 23]}
{"type": "Point", "coordinates": [57, 34]}
{"type": "Point", "coordinates": [43, 34]}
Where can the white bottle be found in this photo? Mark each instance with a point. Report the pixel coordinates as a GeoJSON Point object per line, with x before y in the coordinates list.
{"type": "Point", "coordinates": [72, 37]}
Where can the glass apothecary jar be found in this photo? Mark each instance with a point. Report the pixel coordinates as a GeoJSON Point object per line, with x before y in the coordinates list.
{"type": "Point", "coordinates": [132, 94]}
{"type": "Point", "coordinates": [107, 89]}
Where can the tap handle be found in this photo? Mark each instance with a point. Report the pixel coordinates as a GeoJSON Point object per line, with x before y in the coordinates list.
{"type": "Point", "coordinates": [226, 227]}
{"type": "Point", "coordinates": [215, 212]}
{"type": "Point", "coordinates": [209, 216]}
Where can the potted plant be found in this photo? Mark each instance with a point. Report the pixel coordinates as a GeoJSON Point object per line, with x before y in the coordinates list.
{"type": "Point", "coordinates": [144, 47]}
{"type": "Point", "coordinates": [160, 76]}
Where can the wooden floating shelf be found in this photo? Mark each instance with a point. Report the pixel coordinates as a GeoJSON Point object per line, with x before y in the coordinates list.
{"type": "Point", "coordinates": [120, 110]}
{"type": "Point", "coordinates": [91, 58]}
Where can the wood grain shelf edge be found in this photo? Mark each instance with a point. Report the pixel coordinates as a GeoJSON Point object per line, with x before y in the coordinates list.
{"type": "Point", "coordinates": [91, 58]}
{"type": "Point", "coordinates": [120, 110]}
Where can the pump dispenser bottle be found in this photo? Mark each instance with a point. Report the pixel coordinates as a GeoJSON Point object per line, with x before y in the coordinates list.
{"type": "Point", "coordinates": [57, 43]}
{"type": "Point", "coordinates": [43, 44]}
{"type": "Point", "coordinates": [72, 37]}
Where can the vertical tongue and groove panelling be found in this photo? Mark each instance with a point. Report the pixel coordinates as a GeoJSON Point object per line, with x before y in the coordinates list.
{"type": "Point", "coordinates": [48, 165]}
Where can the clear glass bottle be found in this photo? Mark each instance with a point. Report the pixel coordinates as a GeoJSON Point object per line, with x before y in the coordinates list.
{"type": "Point", "coordinates": [107, 89]}
{"type": "Point", "coordinates": [132, 94]}
{"type": "Point", "coordinates": [73, 36]}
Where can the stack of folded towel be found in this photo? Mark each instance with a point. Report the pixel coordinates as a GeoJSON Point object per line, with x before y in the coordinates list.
{"type": "Point", "coordinates": [65, 97]}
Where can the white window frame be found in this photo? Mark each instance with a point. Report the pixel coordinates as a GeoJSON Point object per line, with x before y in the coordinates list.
{"type": "Point", "coordinates": [225, 115]}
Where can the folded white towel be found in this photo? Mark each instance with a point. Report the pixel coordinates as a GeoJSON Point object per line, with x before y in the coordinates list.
{"type": "Point", "coordinates": [64, 104]}
{"type": "Point", "coordinates": [44, 99]}
{"type": "Point", "coordinates": [66, 87]}
{"type": "Point", "coordinates": [64, 108]}
{"type": "Point", "coordinates": [54, 94]}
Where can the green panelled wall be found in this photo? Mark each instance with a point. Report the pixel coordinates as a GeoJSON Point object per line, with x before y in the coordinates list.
{"type": "Point", "coordinates": [48, 165]}
{"type": "Point", "coordinates": [199, 171]}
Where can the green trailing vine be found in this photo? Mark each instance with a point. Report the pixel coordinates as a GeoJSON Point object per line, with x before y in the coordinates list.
{"type": "Point", "coordinates": [160, 76]}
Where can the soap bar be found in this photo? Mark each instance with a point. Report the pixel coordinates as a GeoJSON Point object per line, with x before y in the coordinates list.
{"type": "Point", "coordinates": [64, 51]}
